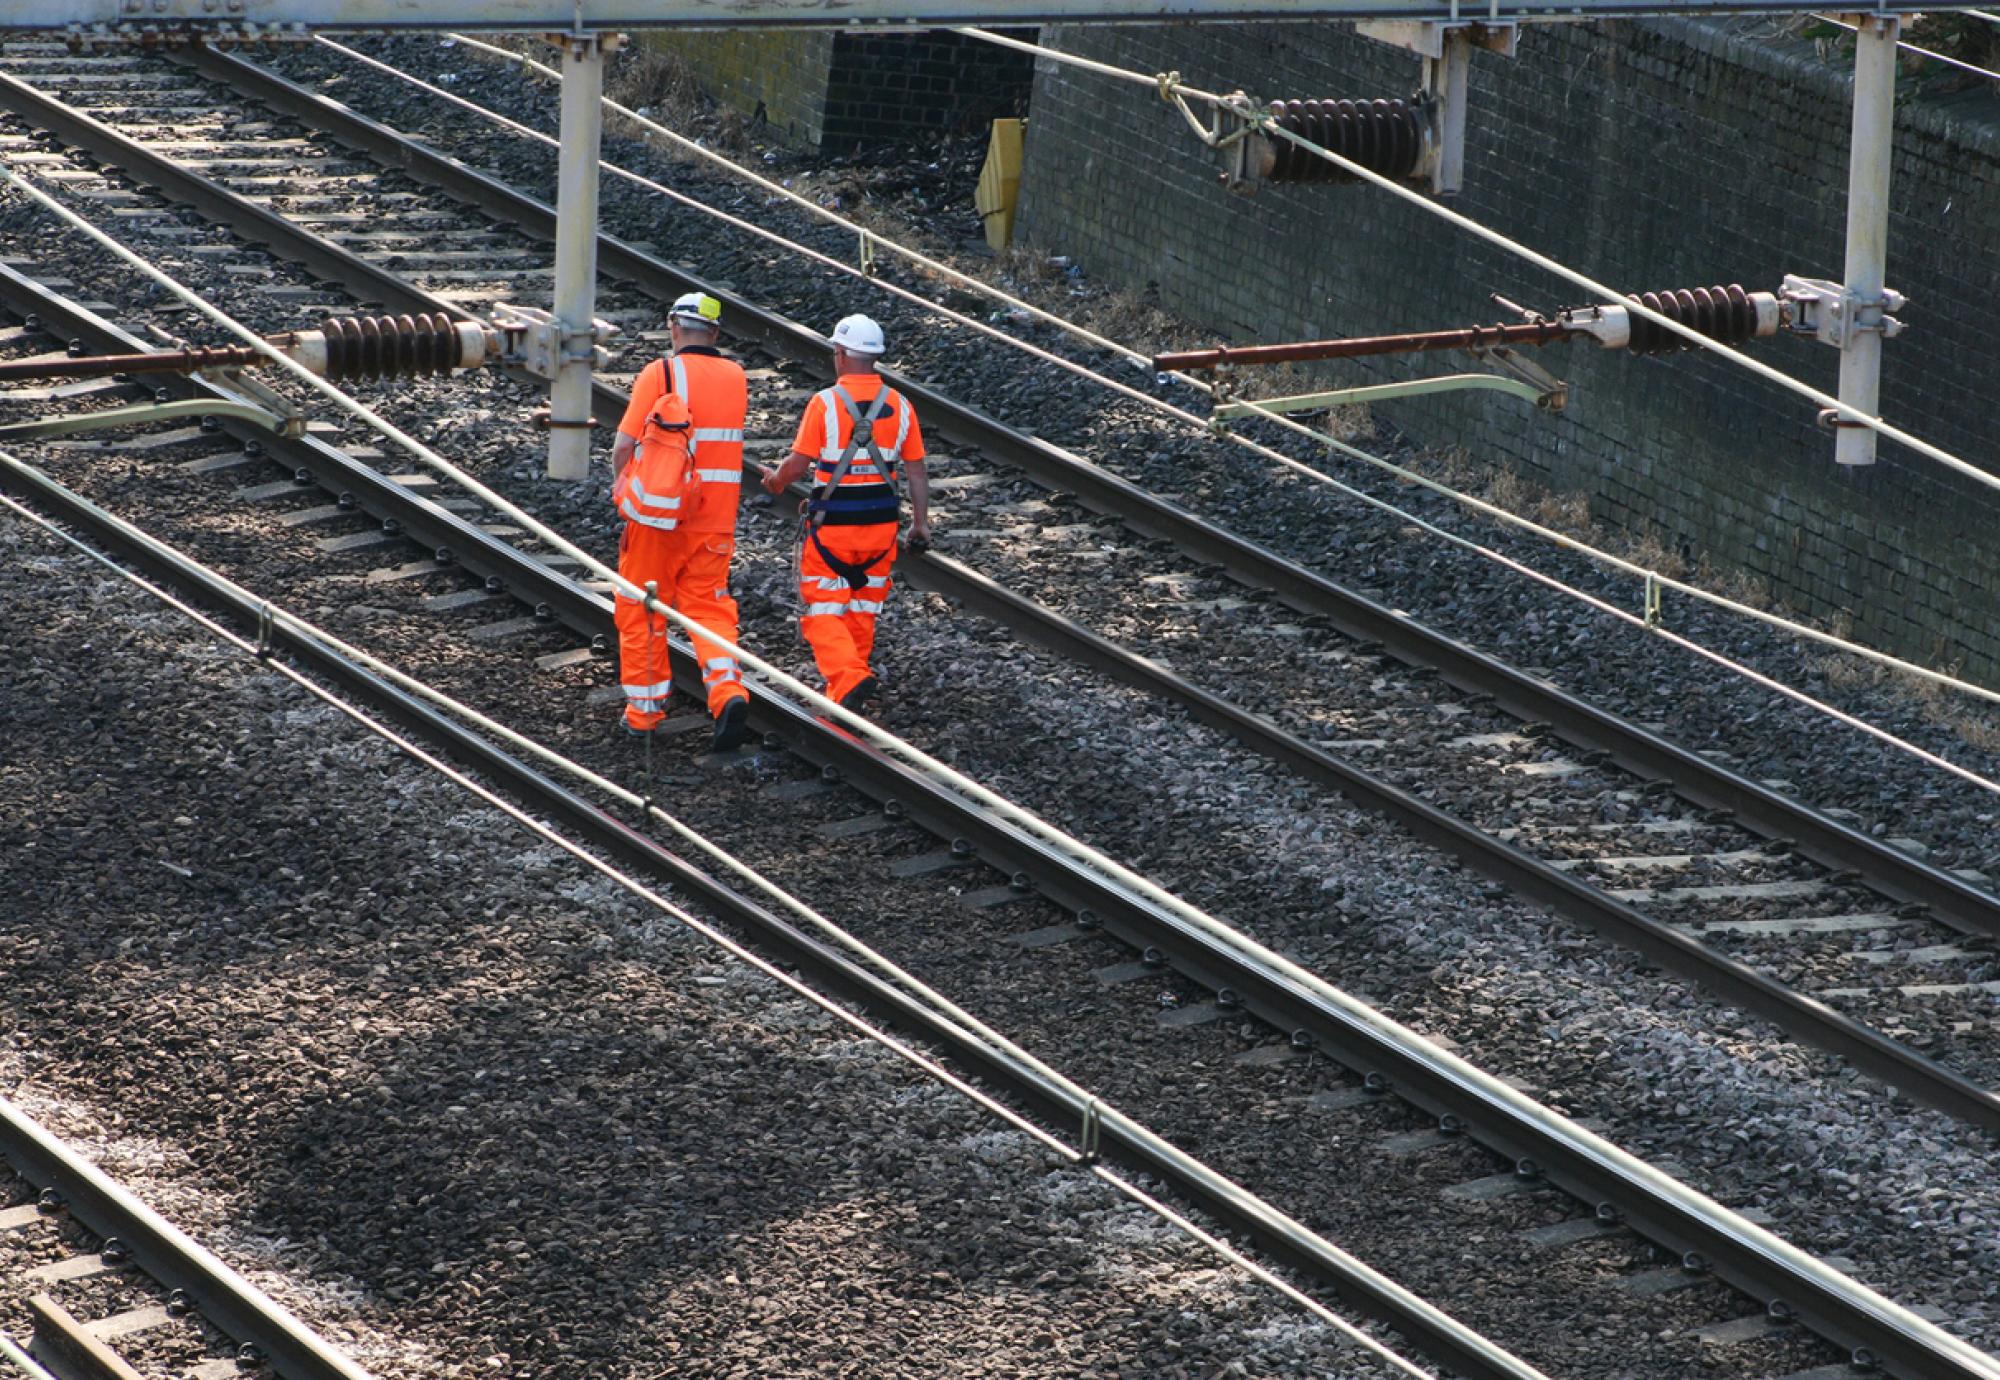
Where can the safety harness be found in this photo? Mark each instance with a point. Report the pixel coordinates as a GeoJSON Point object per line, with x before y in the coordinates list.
{"type": "Point", "coordinates": [824, 500]}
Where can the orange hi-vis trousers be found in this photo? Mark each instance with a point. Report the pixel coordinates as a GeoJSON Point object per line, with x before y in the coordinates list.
{"type": "Point", "coordinates": [839, 621]}
{"type": "Point", "coordinates": [690, 571]}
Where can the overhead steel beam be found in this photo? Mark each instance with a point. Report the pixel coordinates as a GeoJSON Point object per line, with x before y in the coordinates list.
{"type": "Point", "coordinates": [263, 18]}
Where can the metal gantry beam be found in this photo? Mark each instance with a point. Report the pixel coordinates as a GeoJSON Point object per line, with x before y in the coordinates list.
{"type": "Point", "coordinates": [253, 18]}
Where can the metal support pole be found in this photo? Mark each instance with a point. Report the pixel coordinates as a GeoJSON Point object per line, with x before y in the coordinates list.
{"type": "Point", "coordinates": [1867, 230]}
{"type": "Point", "coordinates": [576, 255]}
{"type": "Point", "coordinates": [1449, 174]}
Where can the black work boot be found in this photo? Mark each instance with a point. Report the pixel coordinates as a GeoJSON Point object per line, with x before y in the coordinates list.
{"type": "Point", "coordinates": [732, 726]}
{"type": "Point", "coordinates": [860, 695]}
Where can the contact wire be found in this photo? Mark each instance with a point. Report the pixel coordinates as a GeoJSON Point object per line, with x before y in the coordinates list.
{"type": "Point", "coordinates": [1484, 508]}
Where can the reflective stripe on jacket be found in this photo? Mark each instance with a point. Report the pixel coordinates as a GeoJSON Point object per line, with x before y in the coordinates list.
{"type": "Point", "coordinates": [717, 398]}
{"type": "Point", "coordinates": [657, 486]}
{"type": "Point", "coordinates": [867, 491]}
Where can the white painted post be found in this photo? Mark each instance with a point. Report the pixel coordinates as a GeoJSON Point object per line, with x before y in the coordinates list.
{"type": "Point", "coordinates": [1867, 230]}
{"type": "Point", "coordinates": [576, 255]}
{"type": "Point", "coordinates": [1450, 175]}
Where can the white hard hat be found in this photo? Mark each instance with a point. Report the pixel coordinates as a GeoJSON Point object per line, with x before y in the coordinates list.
{"type": "Point", "coordinates": [697, 309]}
{"type": "Point", "coordinates": [858, 335]}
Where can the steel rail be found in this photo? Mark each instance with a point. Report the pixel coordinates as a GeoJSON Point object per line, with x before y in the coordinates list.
{"type": "Point", "coordinates": [1358, 1037]}
{"type": "Point", "coordinates": [1798, 1015]}
{"type": "Point", "coordinates": [1441, 1336]}
{"type": "Point", "coordinates": [236, 1307]}
{"type": "Point", "coordinates": [1541, 1143]}
{"type": "Point", "coordinates": [258, 224]}
{"type": "Point", "coordinates": [1886, 869]}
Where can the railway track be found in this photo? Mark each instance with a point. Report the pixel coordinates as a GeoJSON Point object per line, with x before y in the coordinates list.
{"type": "Point", "coordinates": [1027, 876]}
{"type": "Point", "coordinates": [105, 1289]}
{"type": "Point", "coordinates": [1007, 497]}
{"type": "Point", "coordinates": [1846, 941]}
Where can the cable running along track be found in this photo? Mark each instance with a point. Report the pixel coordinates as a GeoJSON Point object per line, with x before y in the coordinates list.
{"type": "Point", "coordinates": [1478, 1106]}
{"type": "Point", "coordinates": [1330, 1030]}
{"type": "Point", "coordinates": [1914, 887]}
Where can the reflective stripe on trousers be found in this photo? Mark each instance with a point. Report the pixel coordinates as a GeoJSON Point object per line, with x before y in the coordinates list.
{"type": "Point", "coordinates": [649, 699]}
{"type": "Point", "coordinates": [691, 572]}
{"type": "Point", "coordinates": [839, 622]}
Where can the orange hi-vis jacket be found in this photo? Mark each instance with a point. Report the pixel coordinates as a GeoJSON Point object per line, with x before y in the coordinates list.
{"type": "Point", "coordinates": [866, 494]}
{"type": "Point", "coordinates": [718, 398]}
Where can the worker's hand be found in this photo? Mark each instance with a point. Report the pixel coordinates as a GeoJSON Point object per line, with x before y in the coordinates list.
{"type": "Point", "coordinates": [919, 539]}
{"type": "Point", "coordinates": [772, 484]}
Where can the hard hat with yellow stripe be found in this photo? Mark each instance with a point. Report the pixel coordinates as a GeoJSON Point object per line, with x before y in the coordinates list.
{"type": "Point", "coordinates": [696, 309]}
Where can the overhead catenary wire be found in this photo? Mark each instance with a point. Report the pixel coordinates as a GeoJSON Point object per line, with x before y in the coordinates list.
{"type": "Point", "coordinates": [1402, 473]}
{"type": "Point", "coordinates": [1389, 467]}
{"type": "Point", "coordinates": [1465, 1075]}
{"type": "Point", "coordinates": [1170, 87]}
{"type": "Point", "coordinates": [867, 1029]}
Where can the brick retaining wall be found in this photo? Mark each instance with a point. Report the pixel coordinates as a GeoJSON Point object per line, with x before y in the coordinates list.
{"type": "Point", "coordinates": [837, 91]}
{"type": "Point", "coordinates": [1651, 154]}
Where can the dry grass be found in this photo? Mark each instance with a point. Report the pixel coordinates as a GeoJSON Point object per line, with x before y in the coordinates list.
{"type": "Point", "coordinates": [644, 75]}
{"type": "Point", "coordinates": [1977, 727]}
{"type": "Point", "coordinates": [1116, 313]}
{"type": "Point", "coordinates": [1569, 514]}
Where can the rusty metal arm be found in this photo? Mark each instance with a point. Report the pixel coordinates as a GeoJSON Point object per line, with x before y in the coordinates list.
{"type": "Point", "coordinates": [103, 366]}
{"type": "Point", "coordinates": [1465, 338]}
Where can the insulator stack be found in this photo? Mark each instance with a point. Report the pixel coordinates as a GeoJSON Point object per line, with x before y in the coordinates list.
{"type": "Point", "coordinates": [1385, 137]}
{"type": "Point", "coordinates": [380, 347]}
{"type": "Point", "coordinates": [1721, 313]}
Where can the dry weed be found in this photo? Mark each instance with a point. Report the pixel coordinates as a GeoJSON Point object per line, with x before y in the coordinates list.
{"type": "Point", "coordinates": [1566, 513]}
{"type": "Point", "coordinates": [662, 82]}
{"type": "Point", "coordinates": [1651, 550]}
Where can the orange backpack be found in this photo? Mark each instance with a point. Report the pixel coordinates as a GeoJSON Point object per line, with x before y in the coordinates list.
{"type": "Point", "coordinates": [660, 483]}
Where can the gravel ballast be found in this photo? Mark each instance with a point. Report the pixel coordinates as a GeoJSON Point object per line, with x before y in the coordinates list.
{"type": "Point", "coordinates": [469, 1108]}
{"type": "Point", "coordinates": [1755, 1118]}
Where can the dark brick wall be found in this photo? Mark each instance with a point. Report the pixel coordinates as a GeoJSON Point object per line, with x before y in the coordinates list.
{"type": "Point", "coordinates": [1652, 155]}
{"type": "Point", "coordinates": [885, 87]}
{"type": "Point", "coordinates": [837, 90]}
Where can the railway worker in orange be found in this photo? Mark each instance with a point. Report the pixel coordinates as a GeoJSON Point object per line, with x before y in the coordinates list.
{"type": "Point", "coordinates": [679, 501]}
{"type": "Point", "coordinates": [857, 438]}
